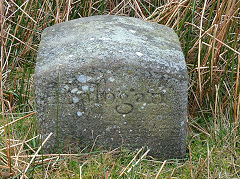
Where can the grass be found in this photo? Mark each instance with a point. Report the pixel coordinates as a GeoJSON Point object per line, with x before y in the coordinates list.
{"type": "Point", "coordinates": [209, 34]}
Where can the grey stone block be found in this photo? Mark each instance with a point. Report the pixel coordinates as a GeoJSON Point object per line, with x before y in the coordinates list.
{"type": "Point", "coordinates": [118, 81]}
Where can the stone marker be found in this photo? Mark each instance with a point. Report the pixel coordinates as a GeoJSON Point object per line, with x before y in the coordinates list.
{"type": "Point", "coordinates": [113, 81]}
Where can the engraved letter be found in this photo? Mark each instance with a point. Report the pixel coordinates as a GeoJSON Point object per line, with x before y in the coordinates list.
{"type": "Point", "coordinates": [139, 97]}
{"type": "Point", "coordinates": [124, 108]}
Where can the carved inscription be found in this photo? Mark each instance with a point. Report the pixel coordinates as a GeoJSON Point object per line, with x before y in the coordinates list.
{"type": "Point", "coordinates": [112, 96]}
{"type": "Point", "coordinates": [123, 101]}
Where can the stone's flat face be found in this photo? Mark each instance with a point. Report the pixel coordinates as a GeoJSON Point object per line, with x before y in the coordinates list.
{"type": "Point", "coordinates": [114, 81]}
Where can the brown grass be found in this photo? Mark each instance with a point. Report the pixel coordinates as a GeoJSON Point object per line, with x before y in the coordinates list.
{"type": "Point", "coordinates": [209, 34]}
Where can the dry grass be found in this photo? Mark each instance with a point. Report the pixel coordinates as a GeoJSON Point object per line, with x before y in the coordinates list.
{"type": "Point", "coordinates": [209, 31]}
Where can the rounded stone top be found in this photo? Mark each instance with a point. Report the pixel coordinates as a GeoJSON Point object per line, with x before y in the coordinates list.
{"type": "Point", "coordinates": [110, 38]}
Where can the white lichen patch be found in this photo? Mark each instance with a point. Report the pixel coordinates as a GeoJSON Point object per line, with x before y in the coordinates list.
{"type": "Point", "coordinates": [66, 87]}
{"type": "Point", "coordinates": [85, 88]}
{"type": "Point", "coordinates": [91, 39]}
{"type": "Point", "coordinates": [91, 89]}
{"type": "Point", "coordinates": [79, 113]}
{"type": "Point", "coordinates": [75, 100]}
{"type": "Point", "coordinates": [89, 78]}
{"type": "Point", "coordinates": [74, 90]}
{"type": "Point", "coordinates": [108, 129]}
{"type": "Point", "coordinates": [70, 56]}
{"type": "Point", "coordinates": [104, 38]}
{"type": "Point", "coordinates": [79, 92]}
{"type": "Point", "coordinates": [133, 31]}
{"type": "Point", "coordinates": [182, 123]}
{"type": "Point", "coordinates": [116, 127]}
{"type": "Point", "coordinates": [151, 90]}
{"type": "Point", "coordinates": [82, 79]}
{"type": "Point", "coordinates": [124, 115]}
{"type": "Point", "coordinates": [111, 79]}
{"type": "Point", "coordinates": [159, 117]}
{"type": "Point", "coordinates": [139, 54]}
{"type": "Point", "coordinates": [99, 77]}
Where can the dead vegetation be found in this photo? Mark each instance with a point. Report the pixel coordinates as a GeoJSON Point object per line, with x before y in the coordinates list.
{"type": "Point", "coordinates": [209, 34]}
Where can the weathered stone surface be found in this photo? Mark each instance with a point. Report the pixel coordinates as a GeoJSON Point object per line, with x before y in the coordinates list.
{"type": "Point", "coordinates": [113, 80]}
